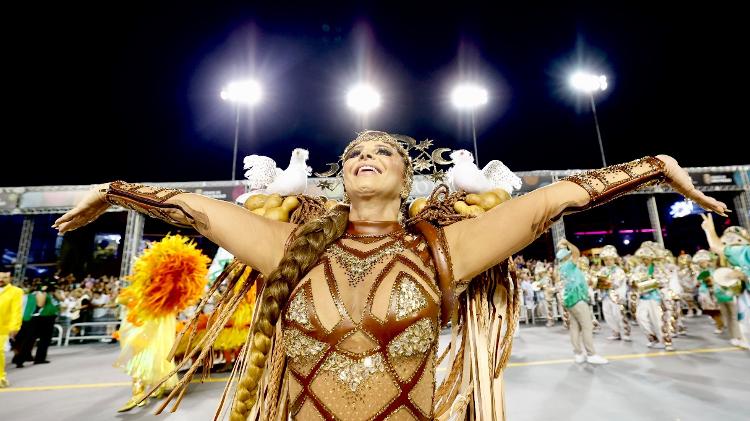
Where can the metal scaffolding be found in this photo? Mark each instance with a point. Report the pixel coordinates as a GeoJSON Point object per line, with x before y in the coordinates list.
{"type": "Point", "coordinates": [24, 246]}
{"type": "Point", "coordinates": [133, 235]}
{"type": "Point", "coordinates": [653, 216]}
{"type": "Point", "coordinates": [558, 231]}
{"type": "Point", "coordinates": [742, 207]}
{"type": "Point", "coordinates": [35, 200]}
{"type": "Point", "coordinates": [742, 201]}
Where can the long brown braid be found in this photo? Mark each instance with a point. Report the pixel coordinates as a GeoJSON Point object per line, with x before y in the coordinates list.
{"type": "Point", "coordinates": [305, 250]}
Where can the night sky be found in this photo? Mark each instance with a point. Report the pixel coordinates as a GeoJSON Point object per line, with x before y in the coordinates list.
{"type": "Point", "coordinates": [131, 91]}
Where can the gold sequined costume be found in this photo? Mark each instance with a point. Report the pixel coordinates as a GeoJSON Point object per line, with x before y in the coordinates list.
{"type": "Point", "coordinates": [354, 359]}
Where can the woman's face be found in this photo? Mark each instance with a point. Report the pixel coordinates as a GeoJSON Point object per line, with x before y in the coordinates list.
{"type": "Point", "coordinates": [609, 261]}
{"type": "Point", "coordinates": [373, 168]}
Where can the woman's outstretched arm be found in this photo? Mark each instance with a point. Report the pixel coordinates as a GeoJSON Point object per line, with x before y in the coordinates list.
{"type": "Point", "coordinates": [255, 240]}
{"type": "Point", "coordinates": [479, 243]}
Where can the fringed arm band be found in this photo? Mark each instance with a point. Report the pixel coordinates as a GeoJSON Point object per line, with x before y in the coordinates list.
{"type": "Point", "coordinates": [148, 200]}
{"type": "Point", "coordinates": [606, 184]}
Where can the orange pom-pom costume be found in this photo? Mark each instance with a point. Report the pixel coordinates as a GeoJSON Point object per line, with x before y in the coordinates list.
{"type": "Point", "coordinates": [168, 277]}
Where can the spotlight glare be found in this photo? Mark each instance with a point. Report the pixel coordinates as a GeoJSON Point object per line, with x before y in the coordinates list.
{"type": "Point", "coordinates": [468, 96]}
{"type": "Point", "coordinates": [243, 92]}
{"type": "Point", "coordinates": [363, 98]}
{"type": "Point", "coordinates": [587, 82]}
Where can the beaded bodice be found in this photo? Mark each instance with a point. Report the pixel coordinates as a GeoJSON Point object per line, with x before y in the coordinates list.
{"type": "Point", "coordinates": [360, 330]}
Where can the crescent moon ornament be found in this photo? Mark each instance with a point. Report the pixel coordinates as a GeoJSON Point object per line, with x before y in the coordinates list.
{"type": "Point", "coordinates": [408, 140]}
{"type": "Point", "coordinates": [333, 168]}
{"type": "Point", "coordinates": [437, 156]}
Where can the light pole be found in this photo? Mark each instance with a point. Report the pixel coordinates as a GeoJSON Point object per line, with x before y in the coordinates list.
{"type": "Point", "coordinates": [470, 97]}
{"type": "Point", "coordinates": [246, 92]}
{"type": "Point", "coordinates": [590, 84]}
{"type": "Point", "coordinates": [363, 99]}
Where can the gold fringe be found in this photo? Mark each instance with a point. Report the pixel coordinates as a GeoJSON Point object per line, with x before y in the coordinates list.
{"type": "Point", "coordinates": [485, 323]}
{"type": "Point", "coordinates": [224, 310]}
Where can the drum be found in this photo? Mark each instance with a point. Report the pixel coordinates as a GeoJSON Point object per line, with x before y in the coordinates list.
{"type": "Point", "coordinates": [603, 283]}
{"type": "Point", "coordinates": [729, 280]}
{"type": "Point", "coordinates": [647, 285]}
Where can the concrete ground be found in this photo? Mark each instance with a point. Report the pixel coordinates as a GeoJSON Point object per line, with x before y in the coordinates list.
{"type": "Point", "coordinates": [706, 379]}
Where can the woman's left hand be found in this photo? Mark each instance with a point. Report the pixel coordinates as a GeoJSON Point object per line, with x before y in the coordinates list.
{"type": "Point", "coordinates": [680, 181]}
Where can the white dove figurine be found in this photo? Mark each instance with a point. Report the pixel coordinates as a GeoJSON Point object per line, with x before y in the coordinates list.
{"type": "Point", "coordinates": [465, 175]}
{"type": "Point", "coordinates": [261, 171]}
{"type": "Point", "coordinates": [292, 180]}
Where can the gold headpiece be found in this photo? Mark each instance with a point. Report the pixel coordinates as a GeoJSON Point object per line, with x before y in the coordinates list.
{"type": "Point", "coordinates": [418, 158]}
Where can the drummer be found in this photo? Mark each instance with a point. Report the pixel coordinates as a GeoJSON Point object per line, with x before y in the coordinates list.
{"type": "Point", "coordinates": [734, 245]}
{"type": "Point", "coordinates": [651, 313]}
{"type": "Point", "coordinates": [704, 260]}
{"type": "Point", "coordinates": [611, 281]}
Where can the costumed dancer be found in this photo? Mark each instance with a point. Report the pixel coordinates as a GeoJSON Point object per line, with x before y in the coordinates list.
{"type": "Point", "coordinates": [559, 291]}
{"type": "Point", "coordinates": [665, 277]}
{"type": "Point", "coordinates": [584, 264]}
{"type": "Point", "coordinates": [613, 284]}
{"type": "Point", "coordinates": [706, 298]}
{"type": "Point", "coordinates": [652, 314]}
{"type": "Point", "coordinates": [187, 343]}
{"type": "Point", "coordinates": [169, 276]}
{"type": "Point", "coordinates": [358, 299]}
{"type": "Point", "coordinates": [731, 287]}
{"type": "Point", "coordinates": [235, 332]}
{"type": "Point", "coordinates": [686, 275]}
{"type": "Point", "coordinates": [544, 280]}
{"type": "Point", "coordinates": [576, 301]}
{"type": "Point", "coordinates": [11, 299]}
{"type": "Point", "coordinates": [672, 291]}
{"type": "Point", "coordinates": [631, 262]}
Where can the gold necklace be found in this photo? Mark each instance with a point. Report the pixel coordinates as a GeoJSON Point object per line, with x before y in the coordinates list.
{"type": "Point", "coordinates": [357, 267]}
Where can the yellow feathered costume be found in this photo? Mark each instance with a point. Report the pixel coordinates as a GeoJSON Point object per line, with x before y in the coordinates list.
{"type": "Point", "coordinates": [234, 334]}
{"type": "Point", "coordinates": [168, 277]}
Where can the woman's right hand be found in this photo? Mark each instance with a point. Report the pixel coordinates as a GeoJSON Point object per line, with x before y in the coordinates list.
{"type": "Point", "coordinates": [87, 210]}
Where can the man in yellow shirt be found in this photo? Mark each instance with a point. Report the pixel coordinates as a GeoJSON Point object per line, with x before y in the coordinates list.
{"type": "Point", "coordinates": [10, 318]}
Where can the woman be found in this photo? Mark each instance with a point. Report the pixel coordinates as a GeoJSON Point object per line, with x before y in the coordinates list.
{"type": "Point", "coordinates": [357, 294]}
